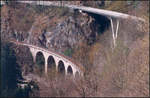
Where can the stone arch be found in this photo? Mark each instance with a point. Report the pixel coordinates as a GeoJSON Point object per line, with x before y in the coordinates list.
{"type": "Point", "coordinates": [61, 67]}
{"type": "Point", "coordinates": [40, 60]}
{"type": "Point", "coordinates": [69, 70]}
{"type": "Point", "coordinates": [51, 64]}
{"type": "Point", "coordinates": [76, 74]}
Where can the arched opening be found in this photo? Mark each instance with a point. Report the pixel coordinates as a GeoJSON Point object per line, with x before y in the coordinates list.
{"type": "Point", "coordinates": [61, 67]}
{"type": "Point", "coordinates": [51, 64]}
{"type": "Point", "coordinates": [69, 70]}
{"type": "Point", "coordinates": [77, 74]}
{"type": "Point", "coordinates": [102, 21]}
{"type": "Point", "coordinates": [40, 62]}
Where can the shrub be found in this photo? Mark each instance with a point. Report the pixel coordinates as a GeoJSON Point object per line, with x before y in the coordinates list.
{"type": "Point", "coordinates": [68, 52]}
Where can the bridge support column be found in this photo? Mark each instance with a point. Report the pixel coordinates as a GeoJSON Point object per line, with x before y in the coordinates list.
{"type": "Point", "coordinates": [114, 33]}
{"type": "Point", "coordinates": [56, 62]}
{"type": "Point", "coordinates": [66, 67]}
{"type": "Point", "coordinates": [45, 67]}
{"type": "Point", "coordinates": [46, 63]}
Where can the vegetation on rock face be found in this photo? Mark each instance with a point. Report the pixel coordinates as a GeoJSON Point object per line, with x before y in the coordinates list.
{"type": "Point", "coordinates": [68, 52]}
{"type": "Point", "coordinates": [10, 71]}
{"type": "Point", "coordinates": [24, 58]}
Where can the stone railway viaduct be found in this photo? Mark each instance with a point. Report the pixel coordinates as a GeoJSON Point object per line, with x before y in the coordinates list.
{"type": "Point", "coordinates": [63, 64]}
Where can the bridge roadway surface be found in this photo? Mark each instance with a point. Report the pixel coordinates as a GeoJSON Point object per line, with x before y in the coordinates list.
{"type": "Point", "coordinates": [107, 13]}
{"type": "Point", "coordinates": [53, 53]}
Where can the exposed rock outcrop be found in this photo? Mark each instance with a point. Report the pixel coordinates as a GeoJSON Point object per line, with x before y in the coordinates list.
{"type": "Point", "coordinates": [67, 31]}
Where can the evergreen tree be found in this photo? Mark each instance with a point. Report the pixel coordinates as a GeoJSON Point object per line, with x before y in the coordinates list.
{"type": "Point", "coordinates": [10, 71]}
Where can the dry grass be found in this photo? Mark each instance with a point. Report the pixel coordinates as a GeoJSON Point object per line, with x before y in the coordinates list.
{"type": "Point", "coordinates": [19, 19]}
{"type": "Point", "coordinates": [119, 6]}
{"type": "Point", "coordinates": [126, 73]}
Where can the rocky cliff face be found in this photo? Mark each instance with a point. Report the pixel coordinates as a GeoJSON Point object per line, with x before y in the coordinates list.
{"type": "Point", "coordinates": [68, 32]}
{"type": "Point", "coordinates": [57, 28]}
